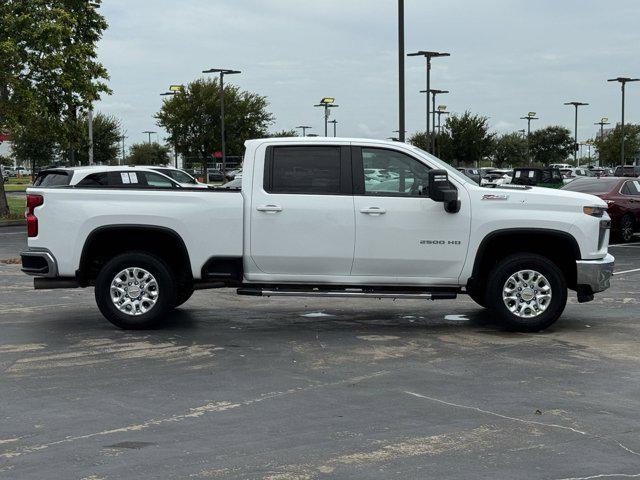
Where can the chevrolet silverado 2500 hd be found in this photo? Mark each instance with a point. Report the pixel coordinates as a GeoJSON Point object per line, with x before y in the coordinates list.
{"type": "Point", "coordinates": [308, 221]}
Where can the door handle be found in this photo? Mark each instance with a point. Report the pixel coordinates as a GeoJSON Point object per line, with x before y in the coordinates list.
{"type": "Point", "coordinates": [373, 211]}
{"type": "Point", "coordinates": [269, 208]}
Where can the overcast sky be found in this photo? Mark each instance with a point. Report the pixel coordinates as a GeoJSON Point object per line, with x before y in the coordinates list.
{"type": "Point", "coordinates": [508, 57]}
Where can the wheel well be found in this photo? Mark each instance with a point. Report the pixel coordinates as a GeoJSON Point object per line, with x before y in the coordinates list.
{"type": "Point", "coordinates": [106, 242]}
{"type": "Point", "coordinates": [559, 247]}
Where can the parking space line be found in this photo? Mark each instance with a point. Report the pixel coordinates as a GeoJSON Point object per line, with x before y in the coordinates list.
{"type": "Point", "coordinates": [627, 271]}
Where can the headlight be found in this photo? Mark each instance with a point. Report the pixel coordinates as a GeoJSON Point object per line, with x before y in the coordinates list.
{"type": "Point", "coordinates": [594, 211]}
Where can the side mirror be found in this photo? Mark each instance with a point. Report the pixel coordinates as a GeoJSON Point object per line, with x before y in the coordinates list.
{"type": "Point", "coordinates": [440, 190]}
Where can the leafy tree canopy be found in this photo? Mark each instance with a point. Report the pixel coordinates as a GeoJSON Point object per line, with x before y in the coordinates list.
{"type": "Point", "coordinates": [510, 149]}
{"type": "Point", "coordinates": [284, 133]}
{"type": "Point", "coordinates": [192, 118]}
{"type": "Point", "coordinates": [107, 133]}
{"type": "Point", "coordinates": [609, 146]}
{"type": "Point", "coordinates": [465, 139]}
{"type": "Point", "coordinates": [148, 154]}
{"type": "Point", "coordinates": [551, 145]}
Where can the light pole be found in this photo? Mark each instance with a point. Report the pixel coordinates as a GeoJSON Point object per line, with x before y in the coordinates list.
{"type": "Point", "coordinates": [623, 81]}
{"type": "Point", "coordinates": [327, 103]}
{"type": "Point", "coordinates": [90, 120]}
{"type": "Point", "coordinates": [434, 92]}
{"type": "Point", "coordinates": [174, 90]}
{"type": "Point", "coordinates": [222, 72]}
{"type": "Point", "coordinates": [530, 116]}
{"type": "Point", "coordinates": [122, 138]}
{"type": "Point", "coordinates": [442, 110]}
{"type": "Point", "coordinates": [428, 56]}
{"type": "Point", "coordinates": [523, 132]}
{"type": "Point", "coordinates": [335, 122]}
{"type": "Point", "coordinates": [603, 121]}
{"type": "Point", "coordinates": [401, 127]}
{"type": "Point", "coordinates": [575, 141]}
{"type": "Point", "coordinates": [149, 132]}
{"type": "Point", "coordinates": [304, 129]}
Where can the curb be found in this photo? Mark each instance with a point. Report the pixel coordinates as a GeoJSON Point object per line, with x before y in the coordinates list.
{"type": "Point", "coordinates": [11, 223]}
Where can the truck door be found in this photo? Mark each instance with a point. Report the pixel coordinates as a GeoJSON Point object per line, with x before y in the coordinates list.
{"type": "Point", "coordinates": [302, 220]}
{"type": "Point", "coordinates": [401, 233]}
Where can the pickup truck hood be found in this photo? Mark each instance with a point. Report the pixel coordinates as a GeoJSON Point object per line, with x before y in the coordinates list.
{"type": "Point", "coordinates": [551, 196]}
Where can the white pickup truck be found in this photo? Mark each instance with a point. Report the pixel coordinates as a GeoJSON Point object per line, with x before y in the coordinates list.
{"type": "Point", "coordinates": [308, 221]}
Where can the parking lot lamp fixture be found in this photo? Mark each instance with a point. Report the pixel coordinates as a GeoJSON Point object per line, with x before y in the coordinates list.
{"type": "Point", "coordinates": [222, 72]}
{"type": "Point", "coordinates": [174, 90]}
{"type": "Point", "coordinates": [428, 56]}
{"type": "Point", "coordinates": [623, 81]}
{"type": "Point", "coordinates": [304, 129]}
{"type": "Point", "coordinates": [327, 103]}
{"type": "Point", "coordinates": [434, 92]}
{"type": "Point", "coordinates": [335, 122]}
{"type": "Point", "coordinates": [529, 117]}
{"type": "Point", "coordinates": [575, 139]}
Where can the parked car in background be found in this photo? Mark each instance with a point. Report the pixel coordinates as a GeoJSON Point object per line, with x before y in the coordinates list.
{"type": "Point", "coordinates": [560, 165]}
{"type": "Point", "coordinates": [496, 177]}
{"type": "Point", "coordinates": [231, 174]}
{"type": "Point", "coordinates": [215, 176]}
{"type": "Point", "coordinates": [540, 177]}
{"type": "Point", "coordinates": [570, 174]}
{"type": "Point", "coordinates": [601, 171]}
{"type": "Point", "coordinates": [627, 171]}
{"type": "Point", "coordinates": [472, 173]}
{"type": "Point", "coordinates": [234, 184]}
{"type": "Point", "coordinates": [623, 199]}
{"type": "Point", "coordinates": [104, 176]}
{"type": "Point", "coordinates": [180, 176]}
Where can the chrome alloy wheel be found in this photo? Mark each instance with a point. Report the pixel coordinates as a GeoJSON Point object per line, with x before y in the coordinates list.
{"type": "Point", "coordinates": [134, 291]}
{"type": "Point", "coordinates": [527, 293]}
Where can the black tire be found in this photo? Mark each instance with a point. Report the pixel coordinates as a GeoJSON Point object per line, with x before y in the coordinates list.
{"type": "Point", "coordinates": [166, 290]}
{"type": "Point", "coordinates": [184, 293]}
{"type": "Point", "coordinates": [626, 228]}
{"type": "Point", "coordinates": [554, 278]}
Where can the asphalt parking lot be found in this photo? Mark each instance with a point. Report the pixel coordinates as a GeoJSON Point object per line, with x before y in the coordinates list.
{"type": "Point", "coordinates": [242, 387]}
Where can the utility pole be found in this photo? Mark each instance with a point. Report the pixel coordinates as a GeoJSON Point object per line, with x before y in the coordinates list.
{"type": "Point", "coordinates": [603, 121]}
{"type": "Point", "coordinates": [90, 119]}
{"type": "Point", "coordinates": [530, 116]}
{"type": "Point", "coordinates": [149, 132]}
{"type": "Point", "coordinates": [335, 122]}
{"type": "Point", "coordinates": [304, 129]}
{"type": "Point", "coordinates": [442, 110]}
{"type": "Point", "coordinates": [623, 81]}
{"type": "Point", "coordinates": [327, 103]}
{"type": "Point", "coordinates": [401, 126]}
{"type": "Point", "coordinates": [222, 72]}
{"type": "Point", "coordinates": [428, 56]}
{"type": "Point", "coordinates": [575, 147]}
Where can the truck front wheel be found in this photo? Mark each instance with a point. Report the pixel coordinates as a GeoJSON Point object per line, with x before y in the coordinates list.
{"type": "Point", "coordinates": [527, 292]}
{"type": "Point", "coordinates": [135, 290]}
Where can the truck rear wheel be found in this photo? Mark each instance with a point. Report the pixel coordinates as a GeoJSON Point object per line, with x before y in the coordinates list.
{"type": "Point", "coordinates": [135, 290]}
{"type": "Point", "coordinates": [527, 292]}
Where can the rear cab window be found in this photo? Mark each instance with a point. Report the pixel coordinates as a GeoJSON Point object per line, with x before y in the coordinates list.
{"type": "Point", "coordinates": [311, 170]}
{"type": "Point", "coordinates": [52, 178]}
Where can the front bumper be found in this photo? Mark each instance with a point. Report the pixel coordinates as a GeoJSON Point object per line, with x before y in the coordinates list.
{"type": "Point", "coordinates": [595, 274]}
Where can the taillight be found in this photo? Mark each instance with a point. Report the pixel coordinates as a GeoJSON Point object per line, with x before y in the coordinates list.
{"type": "Point", "coordinates": [33, 201]}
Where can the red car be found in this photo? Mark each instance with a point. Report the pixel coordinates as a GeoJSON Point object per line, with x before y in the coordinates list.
{"type": "Point", "coordinates": [623, 197]}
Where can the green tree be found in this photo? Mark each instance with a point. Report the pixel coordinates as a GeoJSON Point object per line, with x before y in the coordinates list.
{"type": "Point", "coordinates": [284, 133]}
{"type": "Point", "coordinates": [609, 146]}
{"type": "Point", "coordinates": [34, 146]}
{"type": "Point", "coordinates": [48, 67]}
{"type": "Point", "coordinates": [551, 145]}
{"type": "Point", "coordinates": [465, 139]}
{"type": "Point", "coordinates": [420, 140]}
{"type": "Point", "coordinates": [5, 161]}
{"type": "Point", "coordinates": [192, 118]}
{"type": "Point", "coordinates": [148, 154]}
{"type": "Point", "coordinates": [107, 133]}
{"type": "Point", "coordinates": [510, 149]}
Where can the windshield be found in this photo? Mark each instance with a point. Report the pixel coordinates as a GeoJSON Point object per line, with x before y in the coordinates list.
{"type": "Point", "coordinates": [584, 185]}
{"type": "Point", "coordinates": [445, 166]}
{"type": "Point", "coordinates": [177, 175]}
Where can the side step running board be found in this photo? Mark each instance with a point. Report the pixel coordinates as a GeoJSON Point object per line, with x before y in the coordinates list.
{"type": "Point", "coordinates": [349, 293]}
